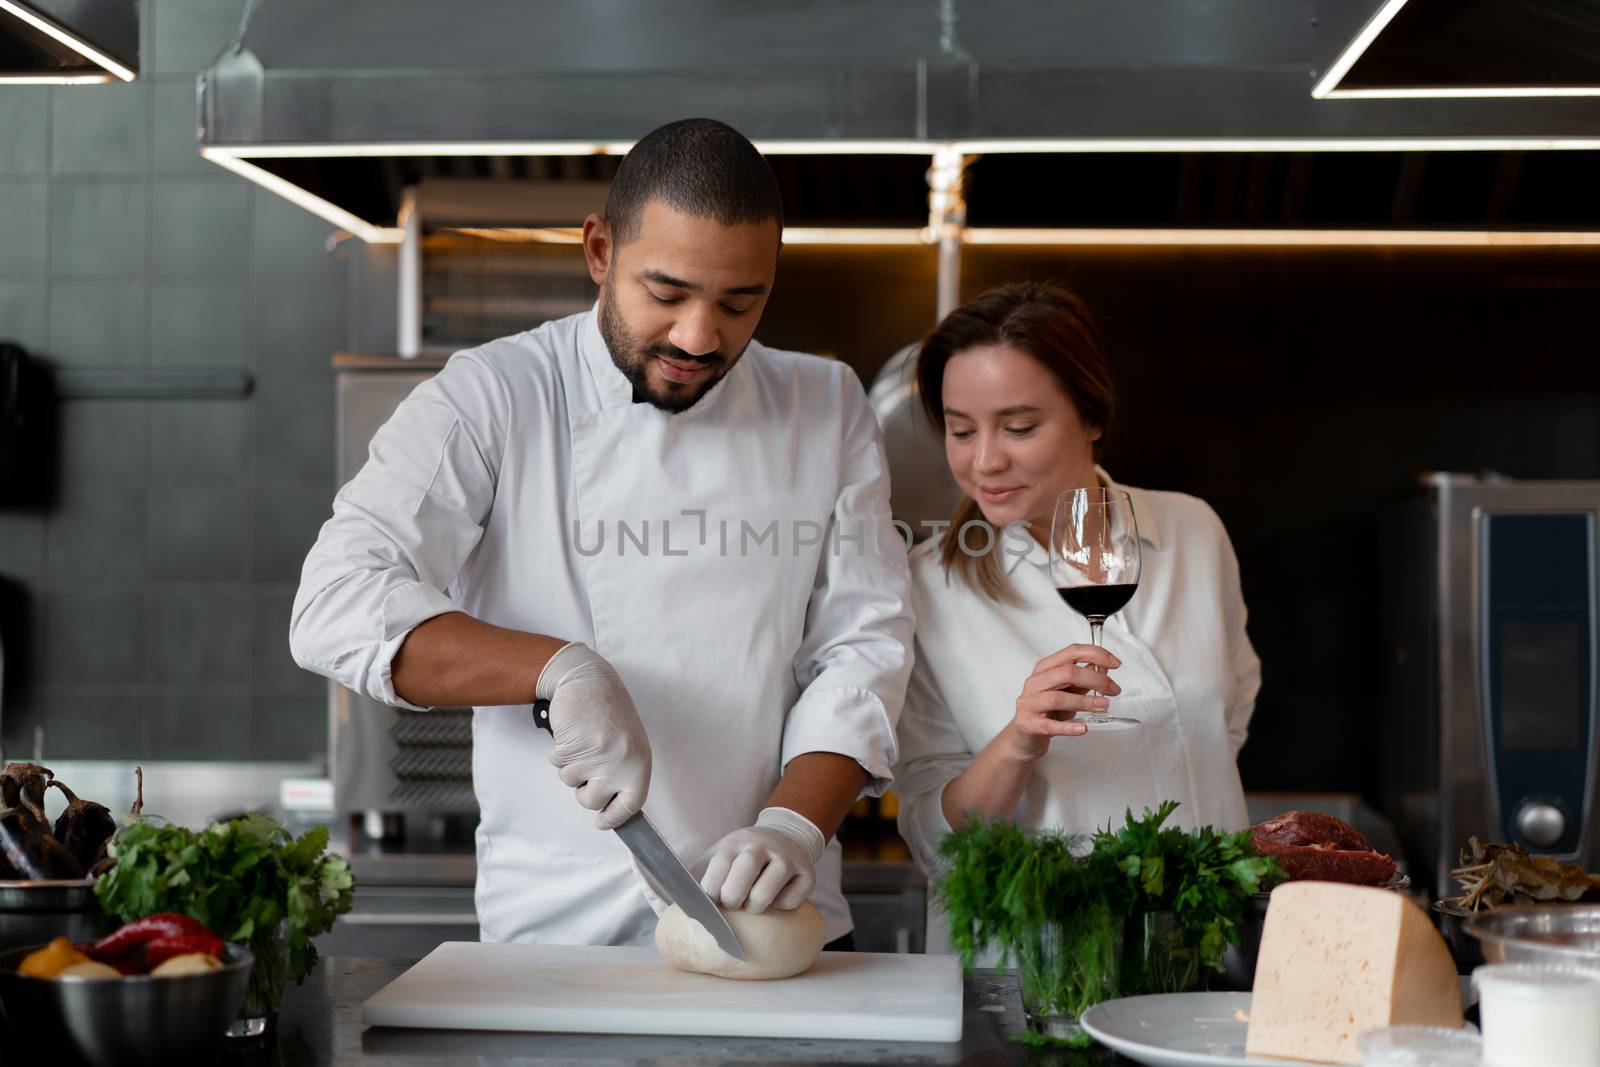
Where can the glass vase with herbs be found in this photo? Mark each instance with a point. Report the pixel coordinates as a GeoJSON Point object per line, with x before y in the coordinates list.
{"type": "Point", "coordinates": [1045, 901]}
{"type": "Point", "coordinates": [249, 880]}
{"type": "Point", "coordinates": [1186, 891]}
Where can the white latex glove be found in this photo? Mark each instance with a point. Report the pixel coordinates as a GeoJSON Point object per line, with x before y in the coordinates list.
{"type": "Point", "coordinates": [600, 745]}
{"type": "Point", "coordinates": [770, 864]}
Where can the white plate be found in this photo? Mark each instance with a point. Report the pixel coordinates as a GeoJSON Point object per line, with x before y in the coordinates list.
{"type": "Point", "coordinates": [1187, 1029]}
{"type": "Point", "coordinates": [1177, 1029]}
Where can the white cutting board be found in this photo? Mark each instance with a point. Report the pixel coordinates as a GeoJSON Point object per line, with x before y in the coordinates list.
{"type": "Point", "coordinates": [469, 985]}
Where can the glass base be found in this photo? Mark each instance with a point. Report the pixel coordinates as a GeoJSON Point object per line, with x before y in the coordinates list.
{"type": "Point", "coordinates": [1064, 1028]}
{"type": "Point", "coordinates": [256, 1026]}
{"type": "Point", "coordinates": [1105, 722]}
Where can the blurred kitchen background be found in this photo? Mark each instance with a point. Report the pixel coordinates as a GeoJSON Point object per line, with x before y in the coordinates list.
{"type": "Point", "coordinates": [1291, 344]}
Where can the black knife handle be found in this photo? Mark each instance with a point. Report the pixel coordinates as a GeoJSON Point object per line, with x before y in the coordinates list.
{"type": "Point", "coordinates": [541, 716]}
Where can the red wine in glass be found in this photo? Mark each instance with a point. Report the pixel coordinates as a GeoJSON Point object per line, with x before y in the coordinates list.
{"type": "Point", "coordinates": [1094, 560]}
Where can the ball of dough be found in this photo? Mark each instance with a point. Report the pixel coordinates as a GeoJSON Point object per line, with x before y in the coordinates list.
{"type": "Point", "coordinates": [779, 943]}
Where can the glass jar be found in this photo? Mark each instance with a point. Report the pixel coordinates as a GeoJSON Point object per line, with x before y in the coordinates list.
{"type": "Point", "coordinates": [1064, 969]}
{"type": "Point", "coordinates": [1166, 961]}
{"type": "Point", "coordinates": [263, 998]}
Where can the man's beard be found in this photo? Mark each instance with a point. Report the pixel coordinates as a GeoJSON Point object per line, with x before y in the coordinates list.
{"type": "Point", "coordinates": [632, 359]}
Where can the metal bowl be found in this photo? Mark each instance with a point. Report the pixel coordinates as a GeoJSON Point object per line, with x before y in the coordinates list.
{"type": "Point", "coordinates": [1468, 951]}
{"type": "Point", "coordinates": [1539, 933]}
{"type": "Point", "coordinates": [35, 912]}
{"type": "Point", "coordinates": [132, 1020]}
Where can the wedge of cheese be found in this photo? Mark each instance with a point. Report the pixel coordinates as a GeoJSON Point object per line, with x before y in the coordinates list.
{"type": "Point", "coordinates": [1338, 960]}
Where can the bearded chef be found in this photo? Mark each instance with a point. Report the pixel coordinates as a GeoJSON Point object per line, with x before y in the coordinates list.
{"type": "Point", "coordinates": [676, 535]}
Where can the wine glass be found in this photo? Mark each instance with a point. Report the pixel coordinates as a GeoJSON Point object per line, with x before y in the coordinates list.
{"type": "Point", "coordinates": [1094, 561]}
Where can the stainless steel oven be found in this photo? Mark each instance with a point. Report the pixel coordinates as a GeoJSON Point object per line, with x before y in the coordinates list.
{"type": "Point", "coordinates": [1487, 722]}
{"type": "Point", "coordinates": [389, 761]}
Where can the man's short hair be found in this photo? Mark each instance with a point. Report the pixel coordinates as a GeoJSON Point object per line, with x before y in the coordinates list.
{"type": "Point", "coordinates": [701, 167]}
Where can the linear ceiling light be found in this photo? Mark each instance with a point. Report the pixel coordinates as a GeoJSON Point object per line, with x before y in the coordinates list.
{"type": "Point", "coordinates": [1327, 87]}
{"type": "Point", "coordinates": [1197, 237]}
{"type": "Point", "coordinates": [541, 235]}
{"type": "Point", "coordinates": [237, 159]}
{"type": "Point", "coordinates": [54, 79]}
{"type": "Point", "coordinates": [1279, 144]}
{"type": "Point", "coordinates": [67, 38]}
{"type": "Point", "coordinates": [992, 146]}
{"type": "Point", "coordinates": [555, 148]}
{"type": "Point", "coordinates": [295, 195]}
{"type": "Point", "coordinates": [1052, 238]}
{"type": "Point", "coordinates": [845, 235]}
{"type": "Point", "coordinates": [1356, 48]}
{"type": "Point", "coordinates": [1460, 92]}
{"type": "Point", "coordinates": [792, 235]}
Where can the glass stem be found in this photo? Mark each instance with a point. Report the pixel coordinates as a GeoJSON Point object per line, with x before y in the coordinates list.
{"type": "Point", "coordinates": [1094, 639]}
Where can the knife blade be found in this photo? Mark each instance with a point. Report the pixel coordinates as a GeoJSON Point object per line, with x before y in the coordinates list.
{"type": "Point", "coordinates": [672, 878]}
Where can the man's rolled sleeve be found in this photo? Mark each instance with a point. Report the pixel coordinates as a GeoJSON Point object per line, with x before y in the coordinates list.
{"type": "Point", "coordinates": [853, 663]}
{"type": "Point", "coordinates": [848, 721]}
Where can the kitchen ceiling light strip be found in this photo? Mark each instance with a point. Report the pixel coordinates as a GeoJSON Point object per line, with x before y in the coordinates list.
{"type": "Point", "coordinates": [988, 146]}
{"type": "Point", "coordinates": [1464, 92]}
{"type": "Point", "coordinates": [1327, 85]}
{"type": "Point", "coordinates": [70, 40]}
{"type": "Point", "coordinates": [301, 198]}
{"type": "Point", "coordinates": [237, 159]}
{"type": "Point", "coordinates": [1201, 237]}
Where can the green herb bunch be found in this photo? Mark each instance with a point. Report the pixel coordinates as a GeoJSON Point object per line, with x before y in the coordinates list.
{"type": "Point", "coordinates": [1202, 877]}
{"type": "Point", "coordinates": [1036, 898]}
{"type": "Point", "coordinates": [245, 878]}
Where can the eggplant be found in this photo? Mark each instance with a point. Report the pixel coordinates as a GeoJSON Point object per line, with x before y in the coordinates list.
{"type": "Point", "coordinates": [102, 859]}
{"type": "Point", "coordinates": [33, 853]}
{"type": "Point", "coordinates": [24, 784]}
{"type": "Point", "coordinates": [138, 794]}
{"type": "Point", "coordinates": [84, 828]}
{"type": "Point", "coordinates": [26, 841]}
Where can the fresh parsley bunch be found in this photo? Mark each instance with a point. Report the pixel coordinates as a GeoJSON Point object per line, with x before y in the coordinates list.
{"type": "Point", "coordinates": [1202, 877]}
{"type": "Point", "coordinates": [245, 878]}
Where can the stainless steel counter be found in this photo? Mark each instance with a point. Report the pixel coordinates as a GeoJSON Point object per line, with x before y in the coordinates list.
{"type": "Point", "coordinates": [321, 1025]}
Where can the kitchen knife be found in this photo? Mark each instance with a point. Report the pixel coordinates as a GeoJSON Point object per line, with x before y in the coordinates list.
{"type": "Point", "coordinates": [672, 878]}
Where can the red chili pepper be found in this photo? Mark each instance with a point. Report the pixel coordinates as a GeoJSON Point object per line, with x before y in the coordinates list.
{"type": "Point", "coordinates": [143, 931]}
{"type": "Point", "coordinates": [162, 949]}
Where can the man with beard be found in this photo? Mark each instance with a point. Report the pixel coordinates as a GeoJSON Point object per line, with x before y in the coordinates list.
{"type": "Point", "coordinates": [676, 535]}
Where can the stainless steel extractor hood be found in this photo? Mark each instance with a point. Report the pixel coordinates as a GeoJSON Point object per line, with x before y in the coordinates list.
{"type": "Point", "coordinates": [68, 41]}
{"type": "Point", "coordinates": [341, 107]}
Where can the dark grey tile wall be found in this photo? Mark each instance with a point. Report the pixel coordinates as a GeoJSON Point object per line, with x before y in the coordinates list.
{"type": "Point", "coordinates": [159, 585]}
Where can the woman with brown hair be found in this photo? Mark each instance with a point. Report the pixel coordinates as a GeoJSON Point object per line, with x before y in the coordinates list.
{"type": "Point", "coordinates": [1018, 386]}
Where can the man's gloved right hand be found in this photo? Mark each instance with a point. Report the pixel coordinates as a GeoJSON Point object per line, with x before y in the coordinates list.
{"type": "Point", "coordinates": [600, 744]}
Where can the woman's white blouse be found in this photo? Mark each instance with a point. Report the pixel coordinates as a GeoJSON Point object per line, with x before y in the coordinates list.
{"type": "Point", "coordinates": [1189, 675]}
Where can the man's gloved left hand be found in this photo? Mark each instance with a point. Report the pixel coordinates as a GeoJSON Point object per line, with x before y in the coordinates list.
{"type": "Point", "coordinates": [770, 864]}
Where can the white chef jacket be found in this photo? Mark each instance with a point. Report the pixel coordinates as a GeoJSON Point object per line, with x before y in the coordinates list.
{"type": "Point", "coordinates": [1188, 674]}
{"type": "Point", "coordinates": [748, 614]}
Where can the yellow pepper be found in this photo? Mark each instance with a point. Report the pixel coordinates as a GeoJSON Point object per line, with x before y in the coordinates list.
{"type": "Point", "coordinates": [51, 960]}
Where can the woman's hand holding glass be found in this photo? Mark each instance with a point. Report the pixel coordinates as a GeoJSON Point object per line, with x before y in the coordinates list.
{"type": "Point", "coordinates": [1058, 689]}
